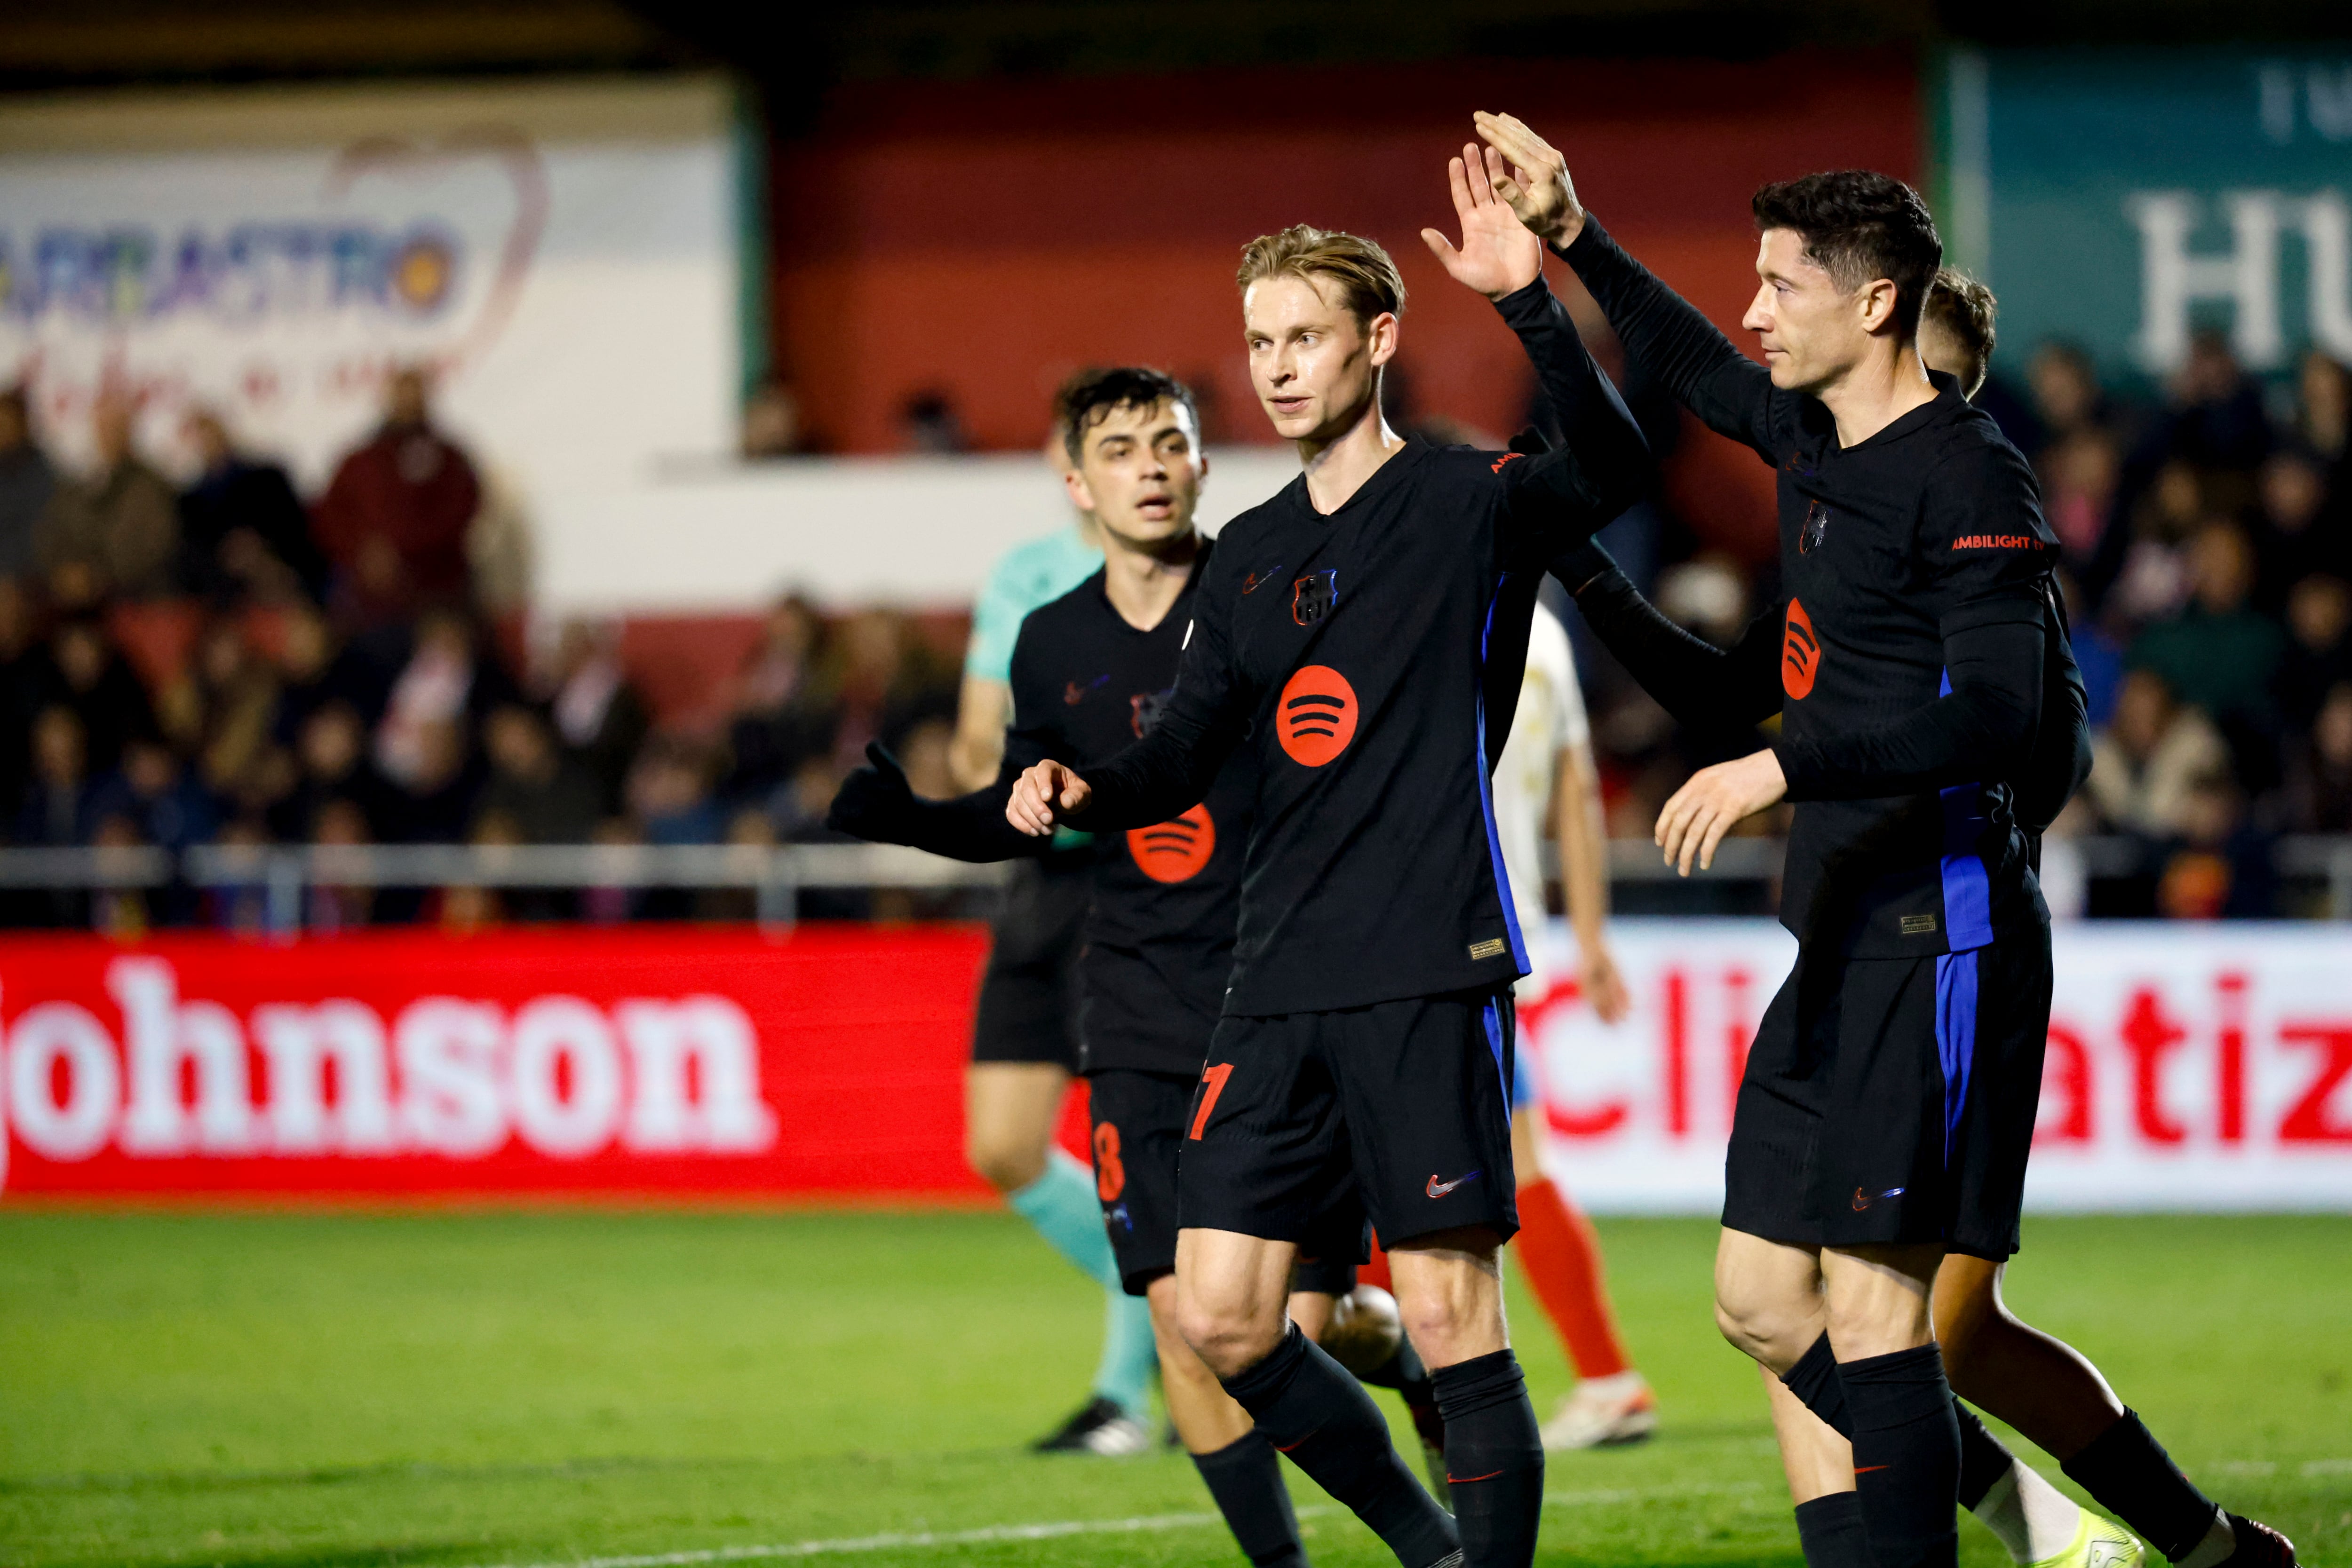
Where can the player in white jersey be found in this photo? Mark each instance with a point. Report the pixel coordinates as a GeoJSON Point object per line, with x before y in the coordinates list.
{"type": "Point", "coordinates": [1547, 777]}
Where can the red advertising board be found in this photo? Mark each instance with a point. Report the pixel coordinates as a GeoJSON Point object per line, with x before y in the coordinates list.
{"type": "Point", "coordinates": [688, 1061]}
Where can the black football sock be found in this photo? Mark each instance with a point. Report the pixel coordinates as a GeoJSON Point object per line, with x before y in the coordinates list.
{"type": "Point", "coordinates": [1404, 1373]}
{"type": "Point", "coordinates": [1309, 1407]}
{"type": "Point", "coordinates": [1830, 1529]}
{"type": "Point", "coordinates": [1983, 1459]}
{"type": "Point", "coordinates": [1246, 1480]}
{"type": "Point", "coordinates": [2131, 1476]}
{"type": "Point", "coordinates": [1494, 1459]}
{"type": "Point", "coordinates": [1906, 1456]}
{"type": "Point", "coordinates": [1815, 1381]}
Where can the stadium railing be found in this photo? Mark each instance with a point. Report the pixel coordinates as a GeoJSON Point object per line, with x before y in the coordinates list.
{"type": "Point", "coordinates": [777, 875]}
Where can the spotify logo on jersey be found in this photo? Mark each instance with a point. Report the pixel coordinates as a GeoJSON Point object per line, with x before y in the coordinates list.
{"type": "Point", "coordinates": [1316, 716]}
{"type": "Point", "coordinates": [1174, 851]}
{"type": "Point", "coordinates": [1800, 652]}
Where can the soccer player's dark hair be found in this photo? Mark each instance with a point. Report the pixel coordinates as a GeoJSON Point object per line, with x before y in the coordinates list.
{"type": "Point", "coordinates": [1091, 396]}
{"type": "Point", "coordinates": [1859, 226]}
{"type": "Point", "coordinates": [1966, 309]}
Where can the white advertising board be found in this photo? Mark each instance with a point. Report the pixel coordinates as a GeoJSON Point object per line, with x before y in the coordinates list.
{"type": "Point", "coordinates": [2190, 1067]}
{"type": "Point", "coordinates": [565, 254]}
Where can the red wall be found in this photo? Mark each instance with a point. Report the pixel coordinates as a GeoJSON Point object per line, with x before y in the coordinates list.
{"type": "Point", "coordinates": [988, 238]}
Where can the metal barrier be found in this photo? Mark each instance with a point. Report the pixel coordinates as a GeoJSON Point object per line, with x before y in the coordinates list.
{"type": "Point", "coordinates": [776, 875]}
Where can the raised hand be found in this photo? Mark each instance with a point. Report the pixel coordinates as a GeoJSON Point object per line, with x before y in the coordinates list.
{"type": "Point", "coordinates": [1045, 794]}
{"type": "Point", "coordinates": [873, 802]}
{"type": "Point", "coordinates": [1538, 188]}
{"type": "Point", "coordinates": [1499, 256]}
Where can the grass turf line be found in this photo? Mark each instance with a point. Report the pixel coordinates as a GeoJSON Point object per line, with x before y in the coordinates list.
{"type": "Point", "coordinates": [548, 1387]}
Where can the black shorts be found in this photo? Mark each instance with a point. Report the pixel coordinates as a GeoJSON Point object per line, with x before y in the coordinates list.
{"type": "Point", "coordinates": [1029, 993]}
{"type": "Point", "coordinates": [1891, 1099]}
{"type": "Point", "coordinates": [1407, 1101]}
{"type": "Point", "coordinates": [1138, 1130]}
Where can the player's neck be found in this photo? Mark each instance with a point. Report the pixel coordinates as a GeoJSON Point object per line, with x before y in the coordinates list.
{"type": "Point", "coordinates": [1142, 581]}
{"type": "Point", "coordinates": [1886, 383]}
{"type": "Point", "coordinates": [1337, 466]}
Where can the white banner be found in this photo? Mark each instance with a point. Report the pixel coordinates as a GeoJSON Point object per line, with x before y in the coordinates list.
{"type": "Point", "coordinates": [2190, 1066]}
{"type": "Point", "coordinates": [565, 252]}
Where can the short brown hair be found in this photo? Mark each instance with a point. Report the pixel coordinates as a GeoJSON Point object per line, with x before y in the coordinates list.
{"type": "Point", "coordinates": [1964, 308]}
{"type": "Point", "coordinates": [1368, 279]}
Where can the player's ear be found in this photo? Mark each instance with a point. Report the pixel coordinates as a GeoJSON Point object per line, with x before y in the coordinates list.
{"type": "Point", "coordinates": [1878, 304]}
{"type": "Point", "coordinates": [1382, 331]}
{"type": "Point", "coordinates": [1080, 496]}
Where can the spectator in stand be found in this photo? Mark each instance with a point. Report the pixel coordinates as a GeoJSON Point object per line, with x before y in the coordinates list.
{"type": "Point", "coordinates": [156, 793]}
{"type": "Point", "coordinates": [670, 795]}
{"type": "Point", "coordinates": [117, 530]}
{"type": "Point", "coordinates": [244, 534]}
{"type": "Point", "coordinates": [547, 797]}
{"type": "Point", "coordinates": [57, 810]}
{"type": "Point", "coordinates": [394, 518]}
{"type": "Point", "coordinates": [2215, 420]}
{"type": "Point", "coordinates": [88, 674]}
{"type": "Point", "coordinates": [26, 683]}
{"type": "Point", "coordinates": [2150, 758]}
{"type": "Point", "coordinates": [2323, 424]}
{"type": "Point", "coordinates": [2222, 867]}
{"type": "Point", "coordinates": [932, 424]}
{"type": "Point", "coordinates": [785, 713]}
{"type": "Point", "coordinates": [339, 907]}
{"type": "Point", "coordinates": [2318, 796]}
{"type": "Point", "coordinates": [599, 716]}
{"type": "Point", "coordinates": [433, 801]}
{"type": "Point", "coordinates": [2067, 398]}
{"type": "Point", "coordinates": [221, 709]}
{"type": "Point", "coordinates": [2297, 536]}
{"type": "Point", "coordinates": [887, 683]}
{"type": "Point", "coordinates": [26, 483]}
{"type": "Point", "coordinates": [2218, 655]}
{"type": "Point", "coordinates": [334, 770]}
{"type": "Point", "coordinates": [315, 668]}
{"type": "Point", "coordinates": [447, 679]}
{"type": "Point", "coordinates": [2319, 647]}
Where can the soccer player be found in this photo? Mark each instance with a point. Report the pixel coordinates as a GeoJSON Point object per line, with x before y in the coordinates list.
{"type": "Point", "coordinates": [1355, 630]}
{"type": "Point", "coordinates": [1920, 672]}
{"type": "Point", "coordinates": [1091, 672]}
{"type": "Point", "coordinates": [2036, 1383]}
{"type": "Point", "coordinates": [1546, 771]}
{"type": "Point", "coordinates": [1024, 1038]}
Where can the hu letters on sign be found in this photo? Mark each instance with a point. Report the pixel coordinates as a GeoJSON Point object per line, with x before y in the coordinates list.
{"type": "Point", "coordinates": [448, 1077]}
{"type": "Point", "coordinates": [2174, 279]}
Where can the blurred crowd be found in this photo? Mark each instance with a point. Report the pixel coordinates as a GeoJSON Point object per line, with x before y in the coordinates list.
{"type": "Point", "coordinates": [228, 661]}
{"type": "Point", "coordinates": [2206, 540]}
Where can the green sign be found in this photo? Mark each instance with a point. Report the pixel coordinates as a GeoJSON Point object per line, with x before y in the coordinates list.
{"type": "Point", "coordinates": [2122, 199]}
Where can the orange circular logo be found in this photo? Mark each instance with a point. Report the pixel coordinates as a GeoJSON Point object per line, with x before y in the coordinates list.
{"type": "Point", "coordinates": [1316, 716]}
{"type": "Point", "coordinates": [1800, 652]}
{"type": "Point", "coordinates": [1176, 850]}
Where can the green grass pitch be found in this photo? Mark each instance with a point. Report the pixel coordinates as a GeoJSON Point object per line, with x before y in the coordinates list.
{"type": "Point", "coordinates": [549, 1387]}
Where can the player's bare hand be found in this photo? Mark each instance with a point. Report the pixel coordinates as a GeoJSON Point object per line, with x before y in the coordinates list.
{"type": "Point", "coordinates": [1538, 187]}
{"type": "Point", "coordinates": [1046, 794]}
{"type": "Point", "coordinates": [1499, 256]}
{"type": "Point", "coordinates": [1715, 801]}
{"type": "Point", "coordinates": [1601, 985]}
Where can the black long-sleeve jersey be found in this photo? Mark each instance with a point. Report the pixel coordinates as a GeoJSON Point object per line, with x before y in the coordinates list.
{"type": "Point", "coordinates": [1159, 937]}
{"type": "Point", "coordinates": [1907, 658]}
{"type": "Point", "coordinates": [1371, 660]}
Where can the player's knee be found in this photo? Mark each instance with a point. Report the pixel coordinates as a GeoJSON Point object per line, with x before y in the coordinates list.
{"type": "Point", "coordinates": [1006, 1164]}
{"type": "Point", "coordinates": [1759, 1328]}
{"type": "Point", "coordinates": [1227, 1338]}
